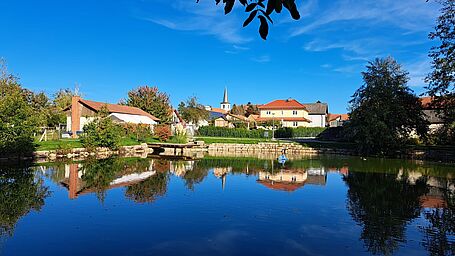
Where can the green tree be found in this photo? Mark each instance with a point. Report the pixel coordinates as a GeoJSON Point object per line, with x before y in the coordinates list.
{"type": "Point", "coordinates": [262, 9]}
{"type": "Point", "coordinates": [18, 121]}
{"type": "Point", "coordinates": [192, 111]}
{"type": "Point", "coordinates": [441, 81]}
{"type": "Point", "coordinates": [62, 100]}
{"type": "Point", "coordinates": [102, 132]}
{"type": "Point", "coordinates": [384, 110]}
{"type": "Point", "coordinates": [151, 100]}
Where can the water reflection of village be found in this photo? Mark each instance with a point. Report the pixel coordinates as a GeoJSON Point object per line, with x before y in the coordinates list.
{"type": "Point", "coordinates": [383, 196]}
{"type": "Point", "coordinates": [137, 175]}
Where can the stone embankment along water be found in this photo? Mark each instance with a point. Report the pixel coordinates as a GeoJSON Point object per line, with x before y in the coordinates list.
{"type": "Point", "coordinates": [82, 153]}
{"type": "Point", "coordinates": [290, 148]}
{"type": "Point", "coordinates": [227, 149]}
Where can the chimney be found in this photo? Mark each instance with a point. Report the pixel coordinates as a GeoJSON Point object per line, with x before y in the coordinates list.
{"type": "Point", "coordinates": [75, 115]}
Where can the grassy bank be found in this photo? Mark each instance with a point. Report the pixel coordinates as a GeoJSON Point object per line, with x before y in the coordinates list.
{"type": "Point", "coordinates": [76, 143]}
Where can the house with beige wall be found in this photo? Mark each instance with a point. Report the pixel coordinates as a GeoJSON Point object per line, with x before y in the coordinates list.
{"type": "Point", "coordinates": [288, 113]}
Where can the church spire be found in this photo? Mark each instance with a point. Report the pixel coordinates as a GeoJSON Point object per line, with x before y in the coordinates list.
{"type": "Point", "coordinates": [225, 96]}
{"type": "Point", "coordinates": [225, 105]}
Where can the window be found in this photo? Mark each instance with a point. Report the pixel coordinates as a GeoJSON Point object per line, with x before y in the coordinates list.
{"type": "Point", "coordinates": [294, 112]}
{"type": "Point", "coordinates": [268, 112]}
{"type": "Point", "coordinates": [296, 124]}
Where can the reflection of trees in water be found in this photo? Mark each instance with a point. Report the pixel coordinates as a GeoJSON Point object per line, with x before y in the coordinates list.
{"type": "Point", "coordinates": [98, 174]}
{"type": "Point", "coordinates": [439, 234]}
{"type": "Point", "coordinates": [148, 190]}
{"type": "Point", "coordinates": [195, 176]}
{"type": "Point", "coordinates": [20, 193]}
{"type": "Point", "coordinates": [383, 206]}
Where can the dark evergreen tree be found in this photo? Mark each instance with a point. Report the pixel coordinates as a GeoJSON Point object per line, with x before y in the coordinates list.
{"type": "Point", "coordinates": [384, 110]}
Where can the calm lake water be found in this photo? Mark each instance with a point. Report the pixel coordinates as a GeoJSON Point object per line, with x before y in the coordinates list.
{"type": "Point", "coordinates": [228, 206]}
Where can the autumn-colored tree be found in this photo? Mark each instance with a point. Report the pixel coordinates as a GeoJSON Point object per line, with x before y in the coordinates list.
{"type": "Point", "coordinates": [238, 110]}
{"type": "Point", "coordinates": [151, 100]}
{"type": "Point", "coordinates": [251, 109]}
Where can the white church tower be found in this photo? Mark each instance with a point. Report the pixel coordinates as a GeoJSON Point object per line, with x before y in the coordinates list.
{"type": "Point", "coordinates": [225, 105]}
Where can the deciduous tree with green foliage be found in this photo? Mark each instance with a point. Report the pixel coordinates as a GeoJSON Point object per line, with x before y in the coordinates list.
{"type": "Point", "coordinates": [384, 110]}
{"type": "Point", "coordinates": [441, 81]}
{"type": "Point", "coordinates": [18, 120]}
{"type": "Point", "coordinates": [62, 99]}
{"type": "Point", "coordinates": [151, 100]}
{"type": "Point", "coordinates": [102, 132]}
{"type": "Point", "coordinates": [192, 111]}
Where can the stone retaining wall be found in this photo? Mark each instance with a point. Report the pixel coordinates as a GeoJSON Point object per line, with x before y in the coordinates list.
{"type": "Point", "coordinates": [82, 153]}
{"type": "Point", "coordinates": [291, 148]}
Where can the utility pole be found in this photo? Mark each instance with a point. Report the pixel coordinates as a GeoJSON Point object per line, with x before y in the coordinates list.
{"type": "Point", "coordinates": [273, 126]}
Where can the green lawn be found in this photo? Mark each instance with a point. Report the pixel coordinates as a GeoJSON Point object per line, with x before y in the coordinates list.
{"type": "Point", "coordinates": [76, 143]}
{"type": "Point", "coordinates": [58, 144]}
{"type": "Point", "coordinates": [210, 140]}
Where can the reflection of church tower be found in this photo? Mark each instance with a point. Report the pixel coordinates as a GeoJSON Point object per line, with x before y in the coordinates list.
{"type": "Point", "coordinates": [225, 105]}
{"type": "Point", "coordinates": [221, 173]}
{"type": "Point", "coordinates": [223, 181]}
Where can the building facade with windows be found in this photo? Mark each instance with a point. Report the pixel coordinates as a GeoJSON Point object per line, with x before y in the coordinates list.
{"type": "Point", "coordinates": [288, 113]}
{"type": "Point", "coordinates": [317, 113]}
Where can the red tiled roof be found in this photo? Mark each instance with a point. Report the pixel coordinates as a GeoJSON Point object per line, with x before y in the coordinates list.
{"type": "Point", "coordinates": [343, 117]}
{"type": "Point", "coordinates": [243, 118]}
{"type": "Point", "coordinates": [114, 108]}
{"type": "Point", "coordinates": [283, 186]}
{"type": "Point", "coordinates": [283, 104]}
{"type": "Point", "coordinates": [219, 110]}
{"type": "Point", "coordinates": [289, 119]}
{"type": "Point", "coordinates": [426, 102]}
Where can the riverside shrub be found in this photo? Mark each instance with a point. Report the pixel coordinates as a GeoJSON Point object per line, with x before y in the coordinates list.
{"type": "Point", "coordinates": [163, 132]}
{"type": "Point", "coordinates": [102, 132]}
{"type": "Point", "coordinates": [212, 131]}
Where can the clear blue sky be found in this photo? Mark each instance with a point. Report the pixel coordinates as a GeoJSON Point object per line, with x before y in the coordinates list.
{"type": "Point", "coordinates": [189, 49]}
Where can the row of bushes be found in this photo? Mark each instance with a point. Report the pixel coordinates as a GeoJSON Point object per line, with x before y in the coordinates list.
{"type": "Point", "coordinates": [103, 132]}
{"type": "Point", "coordinates": [285, 132]}
{"type": "Point", "coordinates": [212, 131]}
{"type": "Point", "coordinates": [299, 132]}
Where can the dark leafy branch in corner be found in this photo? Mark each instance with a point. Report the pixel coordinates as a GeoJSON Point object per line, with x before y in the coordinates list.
{"type": "Point", "coordinates": [262, 9]}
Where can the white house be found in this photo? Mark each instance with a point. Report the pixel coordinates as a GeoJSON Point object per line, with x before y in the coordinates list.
{"type": "Point", "coordinates": [83, 111]}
